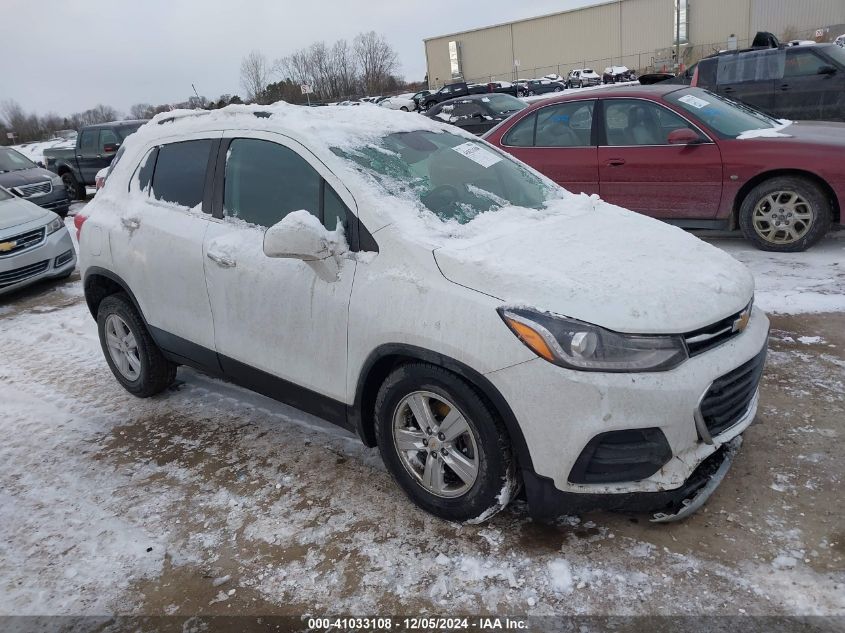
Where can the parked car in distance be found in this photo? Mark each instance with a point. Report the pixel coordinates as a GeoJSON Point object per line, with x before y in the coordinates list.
{"type": "Point", "coordinates": [582, 77]}
{"type": "Point", "coordinates": [451, 91]}
{"type": "Point", "coordinates": [476, 113]}
{"type": "Point", "coordinates": [542, 86]}
{"type": "Point", "coordinates": [840, 41]}
{"type": "Point", "coordinates": [616, 74]}
{"type": "Point", "coordinates": [25, 179]}
{"type": "Point", "coordinates": [34, 244]}
{"type": "Point", "coordinates": [503, 87]}
{"type": "Point", "coordinates": [403, 102]}
{"type": "Point", "coordinates": [441, 269]}
{"type": "Point", "coordinates": [690, 157]}
{"type": "Point", "coordinates": [96, 145]}
{"type": "Point", "coordinates": [803, 83]}
{"type": "Point", "coordinates": [419, 99]}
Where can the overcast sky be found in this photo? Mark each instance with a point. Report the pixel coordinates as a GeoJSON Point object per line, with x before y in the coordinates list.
{"type": "Point", "coordinates": [64, 56]}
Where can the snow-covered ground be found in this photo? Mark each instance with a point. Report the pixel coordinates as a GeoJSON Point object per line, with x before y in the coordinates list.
{"type": "Point", "coordinates": [35, 151]}
{"type": "Point", "coordinates": [211, 499]}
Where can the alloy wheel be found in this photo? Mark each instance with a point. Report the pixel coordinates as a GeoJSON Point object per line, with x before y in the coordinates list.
{"type": "Point", "coordinates": [436, 444]}
{"type": "Point", "coordinates": [782, 217]}
{"type": "Point", "coordinates": [123, 347]}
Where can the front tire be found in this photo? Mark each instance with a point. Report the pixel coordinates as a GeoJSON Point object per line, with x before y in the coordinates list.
{"type": "Point", "coordinates": [443, 444]}
{"type": "Point", "coordinates": [134, 358]}
{"type": "Point", "coordinates": [786, 214]}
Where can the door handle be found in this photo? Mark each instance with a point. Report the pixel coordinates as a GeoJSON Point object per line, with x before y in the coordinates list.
{"type": "Point", "coordinates": [784, 86]}
{"type": "Point", "coordinates": [727, 90]}
{"type": "Point", "coordinates": [130, 223]}
{"type": "Point", "coordinates": [224, 261]}
{"type": "Point", "coordinates": [615, 162]}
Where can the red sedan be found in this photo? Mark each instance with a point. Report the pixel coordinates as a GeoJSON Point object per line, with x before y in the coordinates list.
{"type": "Point", "coordinates": [690, 157]}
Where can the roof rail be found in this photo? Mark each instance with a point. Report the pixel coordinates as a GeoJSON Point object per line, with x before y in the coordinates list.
{"type": "Point", "coordinates": [183, 115]}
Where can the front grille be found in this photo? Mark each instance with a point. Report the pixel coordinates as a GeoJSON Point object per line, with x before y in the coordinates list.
{"type": "Point", "coordinates": [35, 189]}
{"type": "Point", "coordinates": [729, 397]}
{"type": "Point", "coordinates": [713, 335]}
{"type": "Point", "coordinates": [21, 242]}
{"type": "Point", "coordinates": [18, 275]}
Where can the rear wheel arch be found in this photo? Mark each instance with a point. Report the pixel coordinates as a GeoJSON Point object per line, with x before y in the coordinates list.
{"type": "Point", "coordinates": [746, 188]}
{"type": "Point", "coordinates": [386, 358]}
{"type": "Point", "coordinates": [99, 284]}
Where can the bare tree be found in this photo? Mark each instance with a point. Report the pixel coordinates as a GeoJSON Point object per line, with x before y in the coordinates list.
{"type": "Point", "coordinates": [254, 75]}
{"type": "Point", "coordinates": [346, 69]}
{"type": "Point", "coordinates": [377, 60]}
{"type": "Point", "coordinates": [141, 111]}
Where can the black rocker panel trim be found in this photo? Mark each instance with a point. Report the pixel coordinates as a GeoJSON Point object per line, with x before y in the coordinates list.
{"type": "Point", "coordinates": [284, 391]}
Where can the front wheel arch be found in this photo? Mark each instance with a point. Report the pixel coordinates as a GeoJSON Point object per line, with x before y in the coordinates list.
{"type": "Point", "coordinates": [381, 362]}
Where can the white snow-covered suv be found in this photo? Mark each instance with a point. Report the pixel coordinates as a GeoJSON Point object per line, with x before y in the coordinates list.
{"type": "Point", "coordinates": [483, 327]}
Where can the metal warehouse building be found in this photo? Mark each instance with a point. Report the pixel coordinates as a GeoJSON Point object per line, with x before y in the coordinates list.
{"type": "Point", "coordinates": [639, 34]}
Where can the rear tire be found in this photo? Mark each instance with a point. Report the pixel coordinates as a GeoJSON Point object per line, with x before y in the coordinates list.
{"type": "Point", "coordinates": [147, 372]}
{"type": "Point", "coordinates": [787, 214]}
{"type": "Point", "coordinates": [481, 452]}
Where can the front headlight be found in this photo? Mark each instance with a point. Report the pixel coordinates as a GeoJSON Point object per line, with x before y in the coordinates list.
{"type": "Point", "coordinates": [55, 224]}
{"type": "Point", "coordinates": [56, 180]}
{"type": "Point", "coordinates": [585, 347]}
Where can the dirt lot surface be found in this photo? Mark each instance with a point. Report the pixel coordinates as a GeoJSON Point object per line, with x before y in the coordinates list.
{"type": "Point", "coordinates": [212, 500]}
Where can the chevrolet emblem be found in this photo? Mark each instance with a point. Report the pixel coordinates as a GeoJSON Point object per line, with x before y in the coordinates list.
{"type": "Point", "coordinates": [741, 321]}
{"type": "Point", "coordinates": [5, 247]}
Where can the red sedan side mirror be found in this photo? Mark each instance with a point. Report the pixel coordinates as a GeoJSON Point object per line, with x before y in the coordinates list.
{"type": "Point", "coordinates": [683, 136]}
{"type": "Point", "coordinates": [109, 148]}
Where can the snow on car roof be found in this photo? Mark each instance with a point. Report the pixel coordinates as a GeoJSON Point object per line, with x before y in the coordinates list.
{"type": "Point", "coordinates": [317, 128]}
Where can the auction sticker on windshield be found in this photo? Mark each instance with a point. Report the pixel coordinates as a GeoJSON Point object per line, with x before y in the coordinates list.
{"type": "Point", "coordinates": [694, 101]}
{"type": "Point", "coordinates": [477, 154]}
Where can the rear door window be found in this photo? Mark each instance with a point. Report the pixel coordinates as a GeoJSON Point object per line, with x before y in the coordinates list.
{"type": "Point", "coordinates": [565, 125]}
{"type": "Point", "coordinates": [180, 172]}
{"type": "Point", "coordinates": [766, 65]}
{"type": "Point", "coordinates": [88, 142]}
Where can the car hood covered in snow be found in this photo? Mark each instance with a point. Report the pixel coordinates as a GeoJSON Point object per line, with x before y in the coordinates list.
{"type": "Point", "coordinates": [591, 261]}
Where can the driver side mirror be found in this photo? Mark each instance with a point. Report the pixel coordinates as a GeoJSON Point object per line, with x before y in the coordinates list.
{"type": "Point", "coordinates": [299, 235]}
{"type": "Point", "coordinates": [827, 70]}
{"type": "Point", "coordinates": [684, 136]}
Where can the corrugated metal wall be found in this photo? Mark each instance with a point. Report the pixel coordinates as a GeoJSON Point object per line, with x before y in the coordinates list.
{"type": "Point", "coordinates": [714, 21]}
{"type": "Point", "coordinates": [805, 16]}
{"type": "Point", "coordinates": [621, 32]}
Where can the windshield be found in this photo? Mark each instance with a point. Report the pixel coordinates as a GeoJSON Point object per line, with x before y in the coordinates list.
{"type": "Point", "coordinates": [503, 103]}
{"type": "Point", "coordinates": [11, 160]}
{"type": "Point", "coordinates": [453, 177]}
{"type": "Point", "coordinates": [728, 118]}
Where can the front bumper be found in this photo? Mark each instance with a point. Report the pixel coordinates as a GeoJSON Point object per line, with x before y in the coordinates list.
{"type": "Point", "coordinates": [560, 411]}
{"type": "Point", "coordinates": [545, 501]}
{"type": "Point", "coordinates": [48, 259]}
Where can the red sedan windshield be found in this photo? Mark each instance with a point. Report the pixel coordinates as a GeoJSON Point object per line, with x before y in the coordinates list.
{"type": "Point", "coordinates": [728, 118]}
